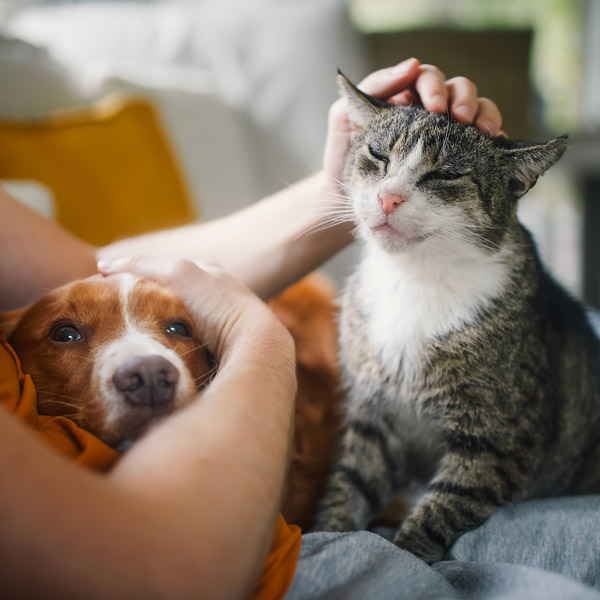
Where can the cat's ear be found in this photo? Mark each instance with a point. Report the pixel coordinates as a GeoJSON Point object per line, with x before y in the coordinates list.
{"type": "Point", "coordinates": [361, 106]}
{"type": "Point", "coordinates": [524, 162]}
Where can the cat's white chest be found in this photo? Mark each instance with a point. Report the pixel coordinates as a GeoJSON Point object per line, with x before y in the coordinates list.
{"type": "Point", "coordinates": [407, 303]}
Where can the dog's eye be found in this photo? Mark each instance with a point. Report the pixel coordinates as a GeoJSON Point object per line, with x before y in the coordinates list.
{"type": "Point", "coordinates": [65, 333]}
{"type": "Point", "coordinates": [179, 328]}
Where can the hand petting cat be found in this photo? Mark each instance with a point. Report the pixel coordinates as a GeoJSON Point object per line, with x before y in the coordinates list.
{"type": "Point", "coordinates": [410, 82]}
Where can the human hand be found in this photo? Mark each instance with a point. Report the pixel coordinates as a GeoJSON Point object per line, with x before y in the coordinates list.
{"type": "Point", "coordinates": [410, 82]}
{"type": "Point", "coordinates": [228, 314]}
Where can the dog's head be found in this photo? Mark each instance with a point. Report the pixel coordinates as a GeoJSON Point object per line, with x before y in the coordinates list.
{"type": "Point", "coordinates": [115, 354]}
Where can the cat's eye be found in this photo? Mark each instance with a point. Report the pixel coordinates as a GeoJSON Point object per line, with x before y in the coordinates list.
{"type": "Point", "coordinates": [179, 328]}
{"type": "Point", "coordinates": [442, 176]}
{"type": "Point", "coordinates": [380, 157]}
{"type": "Point", "coordinates": [65, 333]}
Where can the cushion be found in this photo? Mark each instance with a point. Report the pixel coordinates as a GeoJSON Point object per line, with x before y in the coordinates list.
{"type": "Point", "coordinates": [109, 167]}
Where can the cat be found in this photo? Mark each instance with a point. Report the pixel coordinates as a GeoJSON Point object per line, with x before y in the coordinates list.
{"type": "Point", "coordinates": [464, 364]}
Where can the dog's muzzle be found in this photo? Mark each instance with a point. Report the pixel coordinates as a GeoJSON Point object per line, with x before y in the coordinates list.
{"type": "Point", "coordinates": [148, 381]}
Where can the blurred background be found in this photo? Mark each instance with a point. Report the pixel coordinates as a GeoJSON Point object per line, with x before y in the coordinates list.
{"type": "Point", "coordinates": [238, 94]}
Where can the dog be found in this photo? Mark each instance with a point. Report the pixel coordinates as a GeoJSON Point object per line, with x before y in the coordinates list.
{"type": "Point", "coordinates": [116, 354]}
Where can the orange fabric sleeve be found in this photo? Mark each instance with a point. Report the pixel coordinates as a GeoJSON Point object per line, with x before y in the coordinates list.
{"type": "Point", "coordinates": [18, 396]}
{"type": "Point", "coordinates": [279, 569]}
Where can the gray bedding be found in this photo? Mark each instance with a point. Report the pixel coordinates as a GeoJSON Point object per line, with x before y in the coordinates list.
{"type": "Point", "coordinates": [542, 549]}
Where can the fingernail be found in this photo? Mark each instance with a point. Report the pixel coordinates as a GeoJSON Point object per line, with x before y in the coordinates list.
{"type": "Point", "coordinates": [464, 113]}
{"type": "Point", "coordinates": [436, 103]}
{"type": "Point", "coordinates": [111, 264]}
{"type": "Point", "coordinates": [486, 127]}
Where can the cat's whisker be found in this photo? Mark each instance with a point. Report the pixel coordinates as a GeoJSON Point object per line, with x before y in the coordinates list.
{"type": "Point", "coordinates": [467, 232]}
{"type": "Point", "coordinates": [474, 241]}
{"type": "Point", "coordinates": [325, 212]}
{"type": "Point", "coordinates": [324, 226]}
{"type": "Point", "coordinates": [328, 220]}
{"type": "Point", "coordinates": [327, 224]}
{"type": "Point", "coordinates": [337, 203]}
{"type": "Point", "coordinates": [473, 237]}
{"type": "Point", "coordinates": [332, 194]}
{"type": "Point", "coordinates": [494, 245]}
{"type": "Point", "coordinates": [342, 184]}
{"type": "Point", "coordinates": [326, 209]}
{"type": "Point", "coordinates": [341, 201]}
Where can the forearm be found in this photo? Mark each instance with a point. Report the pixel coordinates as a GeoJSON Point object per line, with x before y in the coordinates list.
{"type": "Point", "coordinates": [37, 255]}
{"type": "Point", "coordinates": [225, 456]}
{"type": "Point", "coordinates": [267, 246]}
{"type": "Point", "coordinates": [188, 512]}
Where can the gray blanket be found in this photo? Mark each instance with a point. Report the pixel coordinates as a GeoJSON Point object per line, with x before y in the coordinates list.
{"type": "Point", "coordinates": [542, 549]}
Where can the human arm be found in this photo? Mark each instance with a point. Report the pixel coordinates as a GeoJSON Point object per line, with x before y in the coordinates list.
{"type": "Point", "coordinates": [189, 510]}
{"type": "Point", "coordinates": [268, 245]}
{"type": "Point", "coordinates": [36, 254]}
{"type": "Point", "coordinates": [273, 243]}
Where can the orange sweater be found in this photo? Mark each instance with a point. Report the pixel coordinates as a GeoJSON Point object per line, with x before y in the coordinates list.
{"type": "Point", "coordinates": [17, 394]}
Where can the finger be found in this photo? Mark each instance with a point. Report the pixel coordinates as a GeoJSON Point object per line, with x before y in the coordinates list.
{"type": "Point", "coordinates": [338, 120]}
{"type": "Point", "coordinates": [488, 119]}
{"type": "Point", "coordinates": [157, 269]}
{"type": "Point", "coordinates": [462, 99]}
{"type": "Point", "coordinates": [431, 88]}
{"type": "Point", "coordinates": [108, 266]}
{"type": "Point", "coordinates": [338, 139]}
{"type": "Point", "coordinates": [388, 82]}
{"type": "Point", "coordinates": [209, 267]}
{"type": "Point", "coordinates": [406, 98]}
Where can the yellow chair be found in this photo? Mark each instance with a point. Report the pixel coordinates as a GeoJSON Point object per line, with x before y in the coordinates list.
{"type": "Point", "coordinates": [109, 166]}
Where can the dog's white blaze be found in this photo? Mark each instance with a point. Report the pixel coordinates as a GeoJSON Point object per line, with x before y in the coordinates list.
{"type": "Point", "coordinates": [136, 341]}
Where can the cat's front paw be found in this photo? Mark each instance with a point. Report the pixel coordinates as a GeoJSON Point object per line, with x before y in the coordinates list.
{"type": "Point", "coordinates": [420, 545]}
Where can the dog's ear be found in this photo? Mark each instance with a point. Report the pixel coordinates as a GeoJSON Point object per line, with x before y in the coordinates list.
{"type": "Point", "coordinates": [9, 321]}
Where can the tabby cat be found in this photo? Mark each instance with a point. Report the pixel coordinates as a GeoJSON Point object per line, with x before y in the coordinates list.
{"type": "Point", "coordinates": [465, 365]}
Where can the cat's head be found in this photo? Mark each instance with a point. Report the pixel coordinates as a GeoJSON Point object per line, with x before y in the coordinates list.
{"type": "Point", "coordinates": [417, 178]}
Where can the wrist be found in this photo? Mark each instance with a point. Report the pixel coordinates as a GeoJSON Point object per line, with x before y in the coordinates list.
{"type": "Point", "coordinates": [258, 339]}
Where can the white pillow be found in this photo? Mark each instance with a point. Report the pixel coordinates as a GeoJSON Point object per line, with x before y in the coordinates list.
{"type": "Point", "coordinates": [33, 84]}
{"type": "Point", "coordinates": [273, 60]}
{"type": "Point", "coordinates": [211, 140]}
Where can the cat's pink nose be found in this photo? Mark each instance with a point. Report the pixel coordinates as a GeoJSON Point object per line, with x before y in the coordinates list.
{"type": "Point", "coordinates": [389, 202]}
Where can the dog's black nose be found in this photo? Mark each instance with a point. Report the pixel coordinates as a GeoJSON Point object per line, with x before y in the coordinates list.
{"type": "Point", "coordinates": [147, 380]}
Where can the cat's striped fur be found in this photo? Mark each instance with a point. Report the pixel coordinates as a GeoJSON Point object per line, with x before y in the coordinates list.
{"type": "Point", "coordinates": [465, 365]}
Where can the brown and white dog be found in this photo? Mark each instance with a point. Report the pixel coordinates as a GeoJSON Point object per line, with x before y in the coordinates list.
{"type": "Point", "coordinates": [114, 354]}
{"type": "Point", "coordinates": [118, 353]}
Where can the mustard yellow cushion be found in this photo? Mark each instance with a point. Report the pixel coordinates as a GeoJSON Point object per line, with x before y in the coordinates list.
{"type": "Point", "coordinates": [109, 166]}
